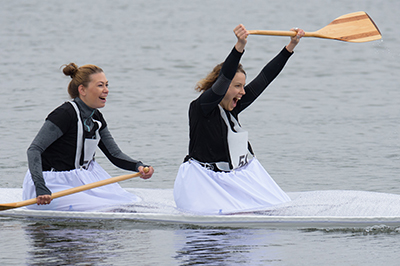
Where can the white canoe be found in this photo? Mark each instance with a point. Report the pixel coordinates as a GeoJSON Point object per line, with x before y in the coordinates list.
{"type": "Point", "coordinates": [313, 209]}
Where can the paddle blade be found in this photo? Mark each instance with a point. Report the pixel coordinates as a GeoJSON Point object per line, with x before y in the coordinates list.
{"type": "Point", "coordinates": [354, 27]}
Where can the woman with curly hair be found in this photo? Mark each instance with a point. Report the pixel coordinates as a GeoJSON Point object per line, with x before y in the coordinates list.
{"type": "Point", "coordinates": [221, 173]}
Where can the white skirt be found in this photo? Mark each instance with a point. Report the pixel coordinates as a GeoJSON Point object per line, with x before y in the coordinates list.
{"type": "Point", "coordinates": [88, 200]}
{"type": "Point", "coordinates": [204, 191]}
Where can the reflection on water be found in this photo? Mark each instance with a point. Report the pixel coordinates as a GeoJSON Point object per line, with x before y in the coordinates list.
{"type": "Point", "coordinates": [70, 244]}
{"type": "Point", "coordinates": [73, 242]}
{"type": "Point", "coordinates": [206, 246]}
{"type": "Point", "coordinates": [97, 242]}
{"type": "Point", "coordinates": [114, 242]}
{"type": "Point", "coordinates": [226, 247]}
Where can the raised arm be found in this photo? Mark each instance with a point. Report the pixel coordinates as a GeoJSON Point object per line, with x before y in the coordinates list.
{"type": "Point", "coordinates": [213, 96]}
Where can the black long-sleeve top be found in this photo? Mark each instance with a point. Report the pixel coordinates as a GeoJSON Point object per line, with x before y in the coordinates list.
{"type": "Point", "coordinates": [54, 147]}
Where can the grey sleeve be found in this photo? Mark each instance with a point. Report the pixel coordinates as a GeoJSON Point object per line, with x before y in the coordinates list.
{"type": "Point", "coordinates": [45, 137]}
{"type": "Point", "coordinates": [110, 148]}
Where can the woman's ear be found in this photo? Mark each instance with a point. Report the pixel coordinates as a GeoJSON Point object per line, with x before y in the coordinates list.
{"type": "Point", "coordinates": [82, 90]}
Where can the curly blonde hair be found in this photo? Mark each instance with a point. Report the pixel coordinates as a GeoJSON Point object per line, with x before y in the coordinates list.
{"type": "Point", "coordinates": [209, 80]}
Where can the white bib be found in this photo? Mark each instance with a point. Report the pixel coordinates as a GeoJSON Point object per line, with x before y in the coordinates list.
{"type": "Point", "coordinates": [237, 141]}
{"type": "Point", "coordinates": [90, 144]}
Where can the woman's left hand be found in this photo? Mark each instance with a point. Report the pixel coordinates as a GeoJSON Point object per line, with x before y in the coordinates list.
{"type": "Point", "coordinates": [294, 40]}
{"type": "Point", "coordinates": [146, 175]}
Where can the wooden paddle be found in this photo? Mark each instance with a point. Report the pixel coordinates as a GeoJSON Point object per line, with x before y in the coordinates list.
{"type": "Point", "coordinates": [353, 27]}
{"type": "Point", "coordinates": [6, 206]}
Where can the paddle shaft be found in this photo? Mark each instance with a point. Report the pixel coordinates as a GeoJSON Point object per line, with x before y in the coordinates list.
{"type": "Point", "coordinates": [280, 33]}
{"type": "Point", "coordinates": [70, 191]}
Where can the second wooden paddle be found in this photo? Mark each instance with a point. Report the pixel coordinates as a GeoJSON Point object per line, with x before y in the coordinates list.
{"type": "Point", "coordinates": [353, 27]}
{"type": "Point", "coordinates": [6, 206]}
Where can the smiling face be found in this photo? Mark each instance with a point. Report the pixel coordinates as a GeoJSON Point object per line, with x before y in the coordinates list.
{"type": "Point", "coordinates": [235, 92]}
{"type": "Point", "coordinates": [95, 93]}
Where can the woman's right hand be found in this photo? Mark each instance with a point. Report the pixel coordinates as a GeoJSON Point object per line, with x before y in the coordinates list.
{"type": "Point", "coordinates": [146, 174]}
{"type": "Point", "coordinates": [241, 34]}
{"type": "Point", "coordinates": [43, 199]}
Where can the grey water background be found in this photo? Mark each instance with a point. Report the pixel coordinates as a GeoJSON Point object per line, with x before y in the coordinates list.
{"type": "Point", "coordinates": [330, 121]}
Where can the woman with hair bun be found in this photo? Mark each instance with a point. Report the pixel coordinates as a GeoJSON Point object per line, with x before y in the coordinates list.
{"type": "Point", "coordinates": [62, 154]}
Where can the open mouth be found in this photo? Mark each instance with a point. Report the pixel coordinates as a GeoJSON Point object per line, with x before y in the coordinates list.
{"type": "Point", "coordinates": [235, 100]}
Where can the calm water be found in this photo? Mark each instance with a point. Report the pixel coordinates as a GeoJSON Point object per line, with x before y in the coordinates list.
{"type": "Point", "coordinates": [330, 121]}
